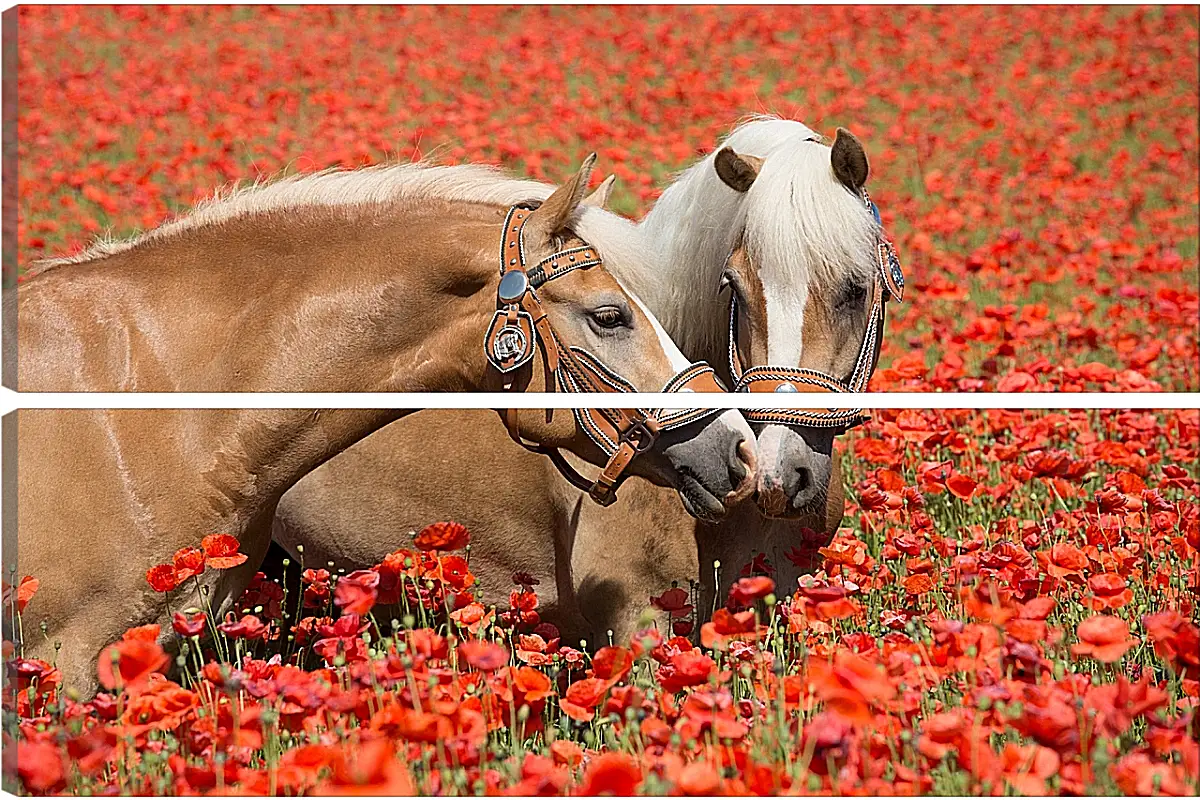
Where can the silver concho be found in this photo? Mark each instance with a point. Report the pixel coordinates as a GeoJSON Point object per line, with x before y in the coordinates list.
{"type": "Point", "coordinates": [894, 267]}
{"type": "Point", "coordinates": [890, 271]}
{"type": "Point", "coordinates": [786, 387]}
{"type": "Point", "coordinates": [513, 286]}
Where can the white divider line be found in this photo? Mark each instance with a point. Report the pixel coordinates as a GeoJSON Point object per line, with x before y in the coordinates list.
{"type": "Point", "coordinates": [11, 400]}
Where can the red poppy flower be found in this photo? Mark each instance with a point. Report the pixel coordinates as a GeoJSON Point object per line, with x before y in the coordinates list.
{"type": "Point", "coordinates": [458, 576]}
{"type": "Point", "coordinates": [1176, 641]}
{"type": "Point", "coordinates": [41, 766]}
{"type": "Point", "coordinates": [248, 627]}
{"type": "Point", "coordinates": [612, 664]}
{"type": "Point", "coordinates": [316, 595]}
{"type": "Point", "coordinates": [483, 656]}
{"type": "Point", "coordinates": [356, 593]}
{"type": "Point", "coordinates": [129, 663]}
{"type": "Point", "coordinates": [644, 641]}
{"type": "Point", "coordinates": [875, 499]}
{"type": "Point", "coordinates": [699, 779]}
{"type": "Point", "coordinates": [26, 588]}
{"type": "Point", "coordinates": [849, 685]}
{"type": "Point", "coordinates": [442, 536]}
{"type": "Point", "coordinates": [566, 753]}
{"type": "Point", "coordinates": [1063, 560]}
{"type": "Point", "coordinates": [1027, 768]}
{"type": "Point", "coordinates": [1104, 638]}
{"type": "Point", "coordinates": [188, 563]}
{"type": "Point", "coordinates": [582, 697]}
{"type": "Point", "coordinates": [727, 626]}
{"type": "Point", "coordinates": [370, 768]}
{"type": "Point", "coordinates": [143, 633]}
{"type": "Point", "coordinates": [747, 590]}
{"type": "Point", "coordinates": [221, 551]}
{"type": "Point", "coordinates": [533, 684]}
{"type": "Point", "coordinates": [1110, 500]}
{"type": "Point", "coordinates": [162, 577]}
{"type": "Point", "coordinates": [688, 668]}
{"type": "Point", "coordinates": [525, 580]}
{"type": "Point", "coordinates": [473, 617]}
{"type": "Point", "coordinates": [919, 584]}
{"type": "Point", "coordinates": [189, 626]}
{"type": "Point", "coordinates": [961, 486]}
{"type": "Point", "coordinates": [1110, 591]}
{"type": "Point", "coordinates": [310, 576]}
{"type": "Point", "coordinates": [611, 773]}
{"type": "Point", "coordinates": [674, 601]}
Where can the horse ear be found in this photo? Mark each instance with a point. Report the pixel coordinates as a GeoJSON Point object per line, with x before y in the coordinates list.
{"type": "Point", "coordinates": [736, 171]}
{"type": "Point", "coordinates": [849, 161]}
{"type": "Point", "coordinates": [554, 213]}
{"type": "Point", "coordinates": [599, 197]}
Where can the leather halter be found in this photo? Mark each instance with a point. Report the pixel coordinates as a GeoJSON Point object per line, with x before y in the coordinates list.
{"type": "Point", "coordinates": [888, 283]}
{"type": "Point", "coordinates": [520, 324]}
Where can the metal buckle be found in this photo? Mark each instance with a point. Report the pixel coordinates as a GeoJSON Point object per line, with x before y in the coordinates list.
{"type": "Point", "coordinates": [642, 435]}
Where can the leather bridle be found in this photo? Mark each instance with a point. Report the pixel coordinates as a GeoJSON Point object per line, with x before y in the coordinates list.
{"type": "Point", "coordinates": [888, 283]}
{"type": "Point", "coordinates": [520, 324]}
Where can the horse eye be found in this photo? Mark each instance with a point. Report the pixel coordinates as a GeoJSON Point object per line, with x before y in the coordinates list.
{"type": "Point", "coordinates": [608, 317]}
{"type": "Point", "coordinates": [852, 296]}
{"type": "Point", "coordinates": [726, 281]}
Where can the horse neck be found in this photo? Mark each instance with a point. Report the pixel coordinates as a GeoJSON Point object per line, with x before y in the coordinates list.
{"type": "Point", "coordinates": [692, 229]}
{"type": "Point", "coordinates": [320, 299]}
{"type": "Point", "coordinates": [258, 454]}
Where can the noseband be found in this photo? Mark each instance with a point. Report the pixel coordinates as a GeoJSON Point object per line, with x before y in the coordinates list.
{"type": "Point", "coordinates": [520, 324]}
{"type": "Point", "coordinates": [888, 283]}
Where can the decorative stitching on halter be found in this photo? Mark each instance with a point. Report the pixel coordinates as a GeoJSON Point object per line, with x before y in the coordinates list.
{"type": "Point", "coordinates": [840, 419]}
{"type": "Point", "coordinates": [610, 378]}
{"type": "Point", "coordinates": [670, 420]}
{"type": "Point", "coordinates": [538, 275]}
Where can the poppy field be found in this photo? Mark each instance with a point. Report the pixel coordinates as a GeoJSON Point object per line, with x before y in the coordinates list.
{"type": "Point", "coordinates": [1010, 604]}
{"type": "Point", "coordinates": [1037, 167]}
{"type": "Point", "coordinates": [1009, 607]}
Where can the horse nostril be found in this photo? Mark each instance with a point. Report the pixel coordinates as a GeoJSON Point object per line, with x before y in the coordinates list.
{"type": "Point", "coordinates": [748, 455]}
{"type": "Point", "coordinates": [805, 475]}
{"type": "Point", "coordinates": [743, 472]}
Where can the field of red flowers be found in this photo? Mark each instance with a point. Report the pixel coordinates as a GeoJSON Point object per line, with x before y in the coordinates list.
{"type": "Point", "coordinates": [1010, 607]}
{"type": "Point", "coordinates": [1038, 166]}
{"type": "Point", "coordinates": [1011, 604]}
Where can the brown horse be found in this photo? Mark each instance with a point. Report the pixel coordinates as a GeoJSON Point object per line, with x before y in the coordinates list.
{"type": "Point", "coordinates": [374, 280]}
{"type": "Point", "coordinates": [804, 268]}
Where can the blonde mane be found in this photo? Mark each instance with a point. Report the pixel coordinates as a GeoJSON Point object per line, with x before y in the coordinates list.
{"type": "Point", "coordinates": [367, 186]}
